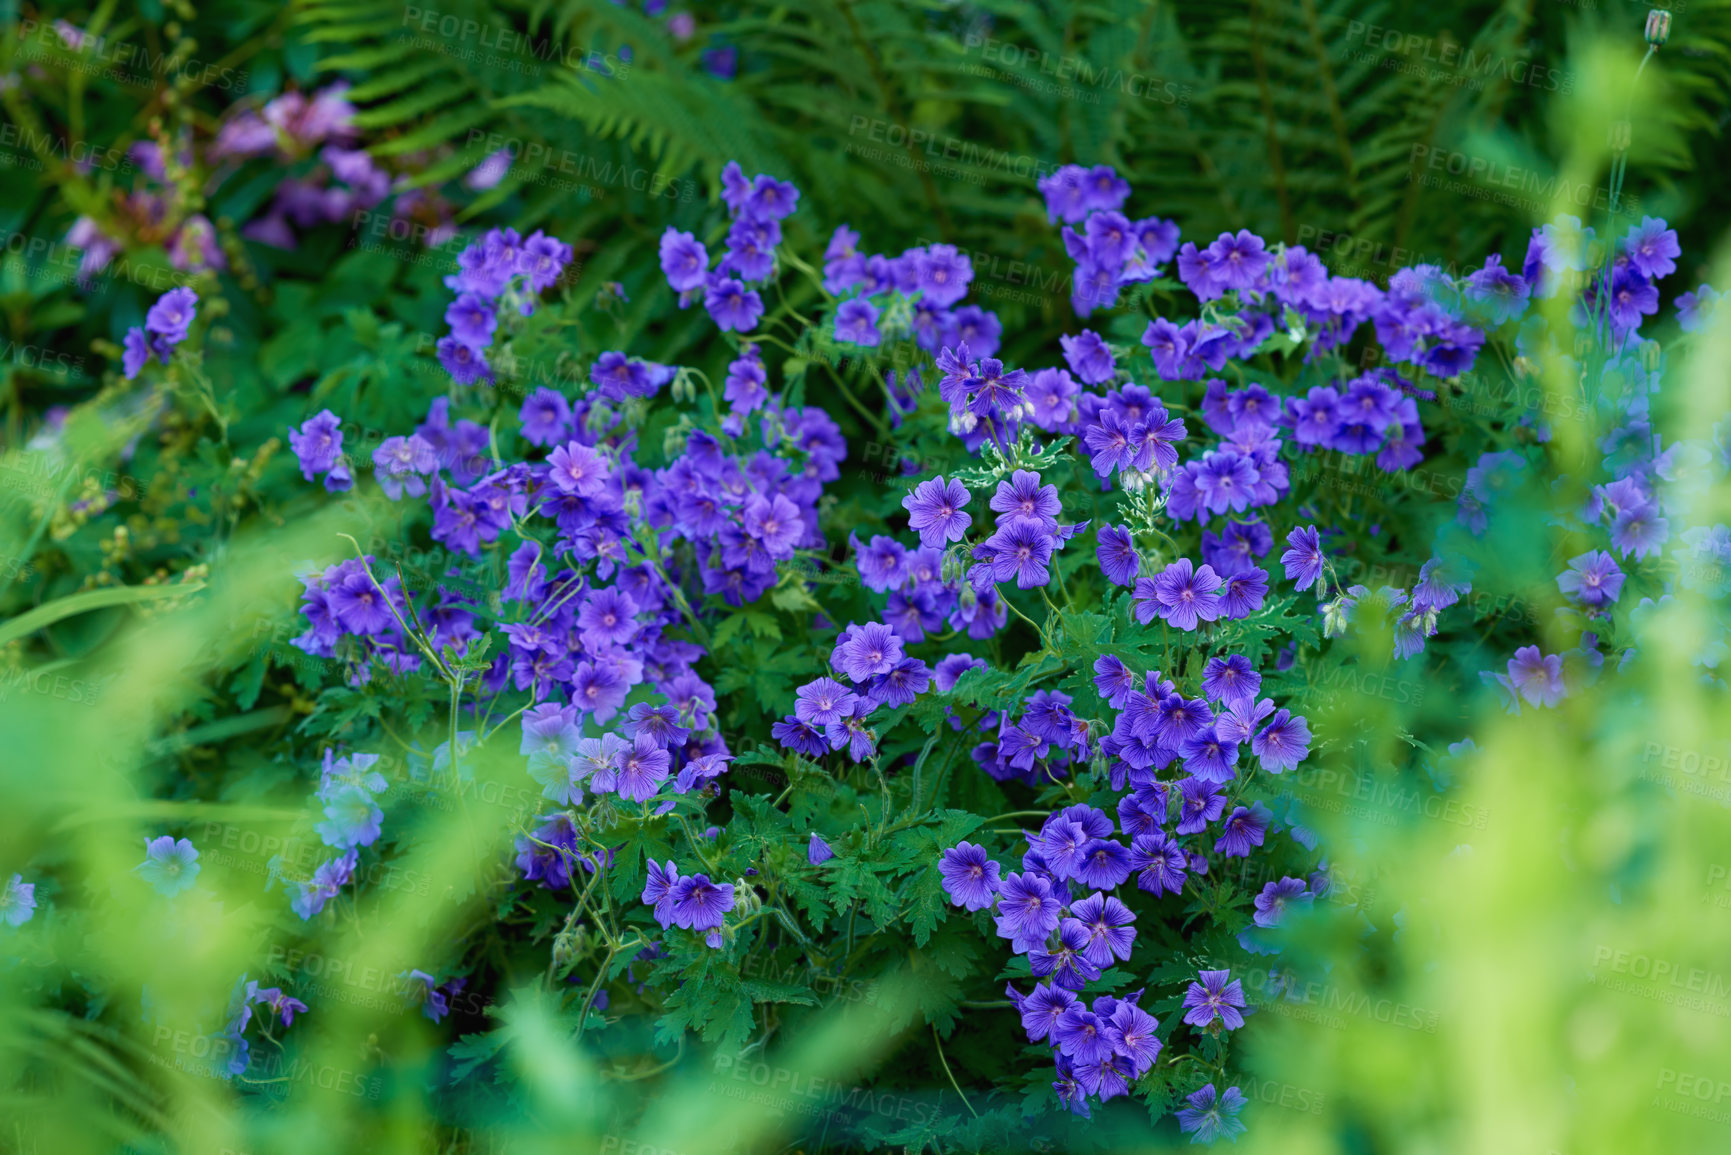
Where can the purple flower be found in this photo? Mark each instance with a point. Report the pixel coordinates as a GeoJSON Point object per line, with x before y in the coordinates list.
{"type": "Point", "coordinates": [1209, 757]}
{"type": "Point", "coordinates": [1230, 679]}
{"type": "Point", "coordinates": [770, 199]}
{"type": "Point", "coordinates": [1271, 904]}
{"type": "Point", "coordinates": [1159, 862]}
{"type": "Point", "coordinates": [170, 866]}
{"type": "Point", "coordinates": [1592, 579]}
{"type": "Point", "coordinates": [1103, 864]}
{"type": "Point", "coordinates": [1020, 549]}
{"type": "Point", "coordinates": [1042, 1009]}
{"type": "Point", "coordinates": [1283, 743]}
{"type": "Point", "coordinates": [1199, 803]}
{"type": "Point", "coordinates": [970, 876]}
{"type": "Point", "coordinates": [172, 315]}
{"type": "Point", "coordinates": [1244, 829]}
{"type": "Point", "coordinates": [823, 701]}
{"type": "Point", "coordinates": [465, 363]}
{"type": "Point", "coordinates": [1114, 680]}
{"type": "Point", "coordinates": [598, 689]}
{"type": "Point", "coordinates": [817, 851]}
{"type": "Point", "coordinates": [774, 521]}
{"type": "Point", "coordinates": [1131, 1031]}
{"type": "Point", "coordinates": [943, 274]}
{"type": "Point", "coordinates": [935, 511]}
{"type": "Point", "coordinates": [1112, 442]}
{"type": "Point", "coordinates": [732, 306]}
{"type": "Point", "coordinates": [1639, 530]}
{"type": "Point", "coordinates": [1081, 1036]}
{"type": "Point", "coordinates": [545, 417]}
{"type": "Point", "coordinates": [699, 904]}
{"type": "Point", "coordinates": [17, 901]}
{"type": "Point", "coordinates": [1183, 595]}
{"type": "Point", "coordinates": [882, 564]}
{"type": "Point", "coordinates": [607, 617]}
{"type": "Point", "coordinates": [420, 987]}
{"type": "Point", "coordinates": [856, 323]}
{"type": "Point", "coordinates": [1089, 357]}
{"type": "Point", "coordinates": [1303, 557]}
{"type": "Point", "coordinates": [901, 683]}
{"type": "Point", "coordinates": [318, 443]}
{"type": "Point", "coordinates": [1028, 911]}
{"type": "Point", "coordinates": [1537, 677]}
{"type": "Point", "coordinates": [1211, 998]}
{"type": "Point", "coordinates": [1208, 1119]}
{"type": "Point", "coordinates": [135, 354]}
{"type": "Point", "coordinates": [399, 464]}
{"type": "Point", "coordinates": [658, 890]}
{"type": "Point", "coordinates": [472, 318]}
{"type": "Point", "coordinates": [577, 468]}
{"type": "Point", "coordinates": [802, 737]}
{"type": "Point", "coordinates": [1652, 248]}
{"type": "Point", "coordinates": [1106, 922]}
{"type": "Point", "coordinates": [1116, 550]}
{"type": "Point", "coordinates": [851, 730]}
{"type": "Point", "coordinates": [950, 669]}
{"type": "Point", "coordinates": [863, 652]}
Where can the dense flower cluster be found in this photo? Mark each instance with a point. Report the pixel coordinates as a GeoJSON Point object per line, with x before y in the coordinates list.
{"type": "Point", "coordinates": [1063, 909]}
{"type": "Point", "coordinates": [287, 132]}
{"type": "Point", "coordinates": [608, 561]}
{"type": "Point", "coordinates": [1111, 251]}
{"type": "Point", "coordinates": [501, 272]}
{"type": "Point", "coordinates": [641, 546]}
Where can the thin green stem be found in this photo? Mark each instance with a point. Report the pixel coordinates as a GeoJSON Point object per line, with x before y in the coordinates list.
{"type": "Point", "coordinates": [951, 1074]}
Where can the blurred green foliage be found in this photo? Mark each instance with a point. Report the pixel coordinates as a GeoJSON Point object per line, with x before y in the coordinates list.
{"type": "Point", "coordinates": [1531, 957]}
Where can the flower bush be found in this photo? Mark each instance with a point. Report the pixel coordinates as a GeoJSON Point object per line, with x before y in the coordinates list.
{"type": "Point", "coordinates": [687, 636]}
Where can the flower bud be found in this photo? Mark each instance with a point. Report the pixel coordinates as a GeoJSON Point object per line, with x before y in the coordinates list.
{"type": "Point", "coordinates": [1619, 136]}
{"type": "Point", "coordinates": [1650, 356]}
{"type": "Point", "coordinates": [682, 388]}
{"type": "Point", "coordinates": [1658, 26]}
{"type": "Point", "coordinates": [950, 571]}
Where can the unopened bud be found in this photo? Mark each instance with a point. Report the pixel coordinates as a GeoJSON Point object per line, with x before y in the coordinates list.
{"type": "Point", "coordinates": [1658, 26]}
{"type": "Point", "coordinates": [951, 568]}
{"type": "Point", "coordinates": [1650, 356]}
{"type": "Point", "coordinates": [683, 389]}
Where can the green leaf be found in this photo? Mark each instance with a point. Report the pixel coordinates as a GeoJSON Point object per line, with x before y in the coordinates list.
{"type": "Point", "coordinates": [62, 608]}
